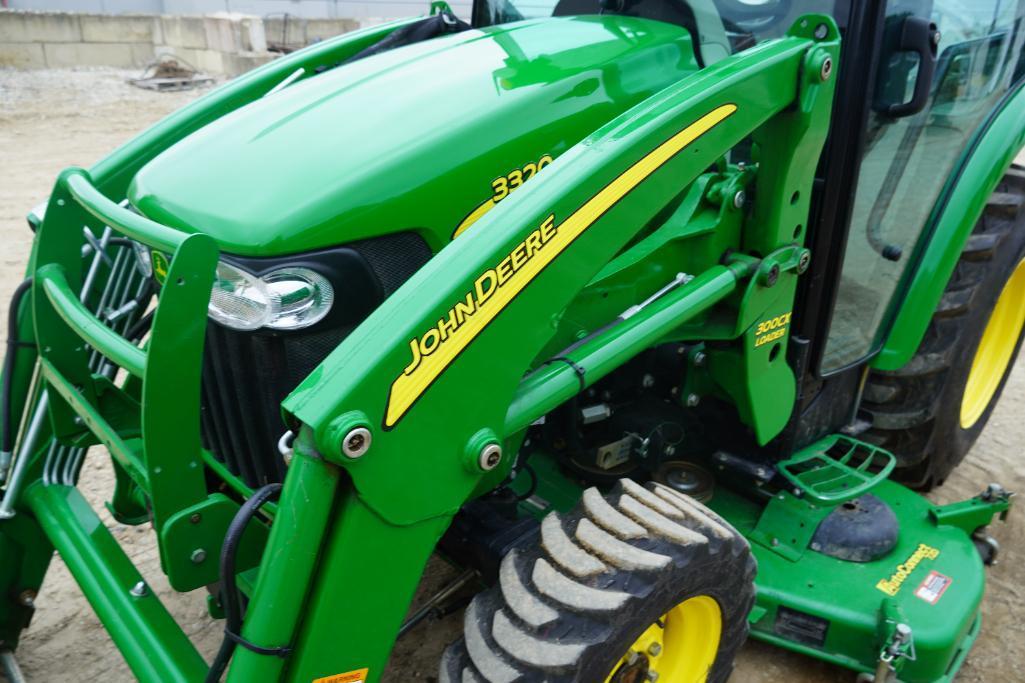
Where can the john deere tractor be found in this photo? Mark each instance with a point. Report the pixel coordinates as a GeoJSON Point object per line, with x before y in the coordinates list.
{"type": "Point", "coordinates": [650, 316]}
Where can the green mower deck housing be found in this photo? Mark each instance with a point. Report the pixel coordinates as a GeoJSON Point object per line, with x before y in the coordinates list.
{"type": "Point", "coordinates": [437, 279]}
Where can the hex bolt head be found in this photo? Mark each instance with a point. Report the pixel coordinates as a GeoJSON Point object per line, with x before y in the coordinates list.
{"type": "Point", "coordinates": [739, 199]}
{"type": "Point", "coordinates": [827, 69]}
{"type": "Point", "coordinates": [804, 262]}
{"type": "Point", "coordinates": [700, 358]}
{"type": "Point", "coordinates": [356, 443]}
{"type": "Point", "coordinates": [139, 590]}
{"type": "Point", "coordinates": [654, 649]}
{"type": "Point", "coordinates": [652, 676]}
{"type": "Point", "coordinates": [771, 276]}
{"type": "Point", "coordinates": [27, 598]}
{"type": "Point", "coordinates": [195, 518]}
{"type": "Point", "coordinates": [490, 456]}
{"type": "Point", "coordinates": [197, 556]}
{"type": "Point", "coordinates": [693, 400]}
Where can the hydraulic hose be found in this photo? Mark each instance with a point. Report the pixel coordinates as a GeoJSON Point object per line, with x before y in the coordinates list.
{"type": "Point", "coordinates": [229, 590]}
{"type": "Point", "coordinates": [7, 388]}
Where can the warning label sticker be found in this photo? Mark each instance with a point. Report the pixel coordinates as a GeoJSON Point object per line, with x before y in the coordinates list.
{"type": "Point", "coordinates": [358, 676]}
{"type": "Point", "coordinates": [933, 587]}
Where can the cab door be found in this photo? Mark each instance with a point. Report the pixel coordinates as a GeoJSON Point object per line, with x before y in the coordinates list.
{"type": "Point", "coordinates": [943, 68]}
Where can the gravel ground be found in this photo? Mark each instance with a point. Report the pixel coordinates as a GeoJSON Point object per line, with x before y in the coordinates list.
{"type": "Point", "coordinates": [53, 119]}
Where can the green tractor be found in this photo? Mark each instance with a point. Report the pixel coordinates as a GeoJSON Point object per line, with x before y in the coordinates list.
{"type": "Point", "coordinates": [650, 316]}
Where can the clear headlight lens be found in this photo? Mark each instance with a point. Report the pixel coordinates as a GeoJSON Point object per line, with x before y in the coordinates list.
{"type": "Point", "coordinates": [300, 297]}
{"type": "Point", "coordinates": [284, 299]}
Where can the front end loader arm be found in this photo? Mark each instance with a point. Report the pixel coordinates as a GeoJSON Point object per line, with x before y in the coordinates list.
{"type": "Point", "coordinates": [414, 405]}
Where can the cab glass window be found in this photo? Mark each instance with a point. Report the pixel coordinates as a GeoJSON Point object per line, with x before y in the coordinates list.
{"type": "Point", "coordinates": [908, 160]}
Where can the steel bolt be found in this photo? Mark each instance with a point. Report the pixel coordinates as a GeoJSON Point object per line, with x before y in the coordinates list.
{"type": "Point", "coordinates": [647, 381]}
{"type": "Point", "coordinates": [139, 590]}
{"type": "Point", "coordinates": [739, 199]}
{"type": "Point", "coordinates": [804, 262]}
{"type": "Point", "coordinates": [27, 598]}
{"type": "Point", "coordinates": [771, 276]}
{"type": "Point", "coordinates": [652, 676]}
{"type": "Point", "coordinates": [197, 556]}
{"type": "Point", "coordinates": [821, 31]}
{"type": "Point", "coordinates": [356, 443]}
{"type": "Point", "coordinates": [195, 517]}
{"type": "Point", "coordinates": [693, 400]}
{"type": "Point", "coordinates": [827, 69]}
{"type": "Point", "coordinates": [699, 358]}
{"type": "Point", "coordinates": [490, 456]}
{"type": "Point", "coordinates": [654, 649]}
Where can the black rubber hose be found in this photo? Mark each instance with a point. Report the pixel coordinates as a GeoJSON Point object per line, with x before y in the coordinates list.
{"type": "Point", "coordinates": [229, 590]}
{"type": "Point", "coordinates": [7, 439]}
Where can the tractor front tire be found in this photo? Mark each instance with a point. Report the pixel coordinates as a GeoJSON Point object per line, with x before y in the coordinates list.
{"type": "Point", "coordinates": [930, 412]}
{"type": "Point", "coordinates": [641, 580]}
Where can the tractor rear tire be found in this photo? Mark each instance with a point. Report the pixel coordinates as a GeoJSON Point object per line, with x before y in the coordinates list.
{"type": "Point", "coordinates": [603, 581]}
{"type": "Point", "coordinates": [918, 411]}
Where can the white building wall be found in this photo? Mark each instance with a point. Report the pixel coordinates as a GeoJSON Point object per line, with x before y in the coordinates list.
{"type": "Point", "coordinates": [310, 9]}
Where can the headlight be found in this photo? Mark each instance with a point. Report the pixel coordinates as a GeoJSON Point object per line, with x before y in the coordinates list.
{"type": "Point", "coordinates": [283, 299]}
{"type": "Point", "coordinates": [300, 297]}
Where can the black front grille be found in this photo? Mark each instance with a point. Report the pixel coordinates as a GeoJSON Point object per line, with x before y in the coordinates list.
{"type": "Point", "coordinates": [245, 378]}
{"type": "Point", "coordinates": [246, 375]}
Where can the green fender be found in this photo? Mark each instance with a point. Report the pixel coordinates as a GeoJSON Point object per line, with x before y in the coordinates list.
{"type": "Point", "coordinates": [958, 209]}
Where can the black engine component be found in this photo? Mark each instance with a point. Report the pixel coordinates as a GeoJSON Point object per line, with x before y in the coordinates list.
{"type": "Point", "coordinates": [860, 530]}
{"type": "Point", "coordinates": [628, 423]}
{"type": "Point", "coordinates": [485, 530]}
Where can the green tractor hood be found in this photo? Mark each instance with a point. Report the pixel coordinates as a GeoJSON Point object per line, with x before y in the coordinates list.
{"type": "Point", "coordinates": [424, 137]}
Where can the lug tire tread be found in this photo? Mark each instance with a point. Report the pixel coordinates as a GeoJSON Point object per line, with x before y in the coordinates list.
{"type": "Point", "coordinates": [553, 617]}
{"type": "Point", "coordinates": [912, 408]}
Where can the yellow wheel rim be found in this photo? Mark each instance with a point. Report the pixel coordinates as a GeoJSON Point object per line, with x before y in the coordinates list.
{"type": "Point", "coordinates": [993, 356]}
{"type": "Point", "coordinates": [680, 647]}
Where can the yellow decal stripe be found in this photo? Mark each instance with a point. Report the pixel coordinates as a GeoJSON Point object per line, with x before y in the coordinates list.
{"type": "Point", "coordinates": [474, 216]}
{"type": "Point", "coordinates": [407, 388]}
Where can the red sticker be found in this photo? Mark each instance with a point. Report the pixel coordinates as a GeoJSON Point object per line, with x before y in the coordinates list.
{"type": "Point", "coordinates": [933, 587]}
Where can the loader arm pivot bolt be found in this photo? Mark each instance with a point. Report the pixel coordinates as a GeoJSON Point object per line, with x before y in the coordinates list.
{"type": "Point", "coordinates": [490, 456]}
{"type": "Point", "coordinates": [197, 556]}
{"type": "Point", "coordinates": [827, 69]}
{"type": "Point", "coordinates": [356, 443]}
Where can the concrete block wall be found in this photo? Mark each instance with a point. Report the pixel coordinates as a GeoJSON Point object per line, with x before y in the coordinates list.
{"type": "Point", "coordinates": [218, 44]}
{"type": "Point", "coordinates": [306, 9]}
{"type": "Point", "coordinates": [294, 32]}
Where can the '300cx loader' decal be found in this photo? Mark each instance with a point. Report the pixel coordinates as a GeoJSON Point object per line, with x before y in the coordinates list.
{"type": "Point", "coordinates": [436, 348]}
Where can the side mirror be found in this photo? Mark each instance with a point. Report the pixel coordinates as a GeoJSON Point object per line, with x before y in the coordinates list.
{"type": "Point", "coordinates": [908, 42]}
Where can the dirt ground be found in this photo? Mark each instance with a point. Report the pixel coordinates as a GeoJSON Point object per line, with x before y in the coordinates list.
{"type": "Point", "coordinates": [53, 119]}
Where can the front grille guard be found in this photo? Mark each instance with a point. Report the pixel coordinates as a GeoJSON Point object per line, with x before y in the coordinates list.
{"type": "Point", "coordinates": [147, 418]}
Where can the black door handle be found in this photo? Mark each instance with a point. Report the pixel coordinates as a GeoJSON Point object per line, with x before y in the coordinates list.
{"type": "Point", "coordinates": [912, 35]}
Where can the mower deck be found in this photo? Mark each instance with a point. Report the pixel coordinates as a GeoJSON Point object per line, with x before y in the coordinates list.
{"type": "Point", "coordinates": [846, 612]}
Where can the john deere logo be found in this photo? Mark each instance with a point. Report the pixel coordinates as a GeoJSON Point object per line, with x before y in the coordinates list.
{"type": "Point", "coordinates": [432, 351]}
{"type": "Point", "coordinates": [160, 266]}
